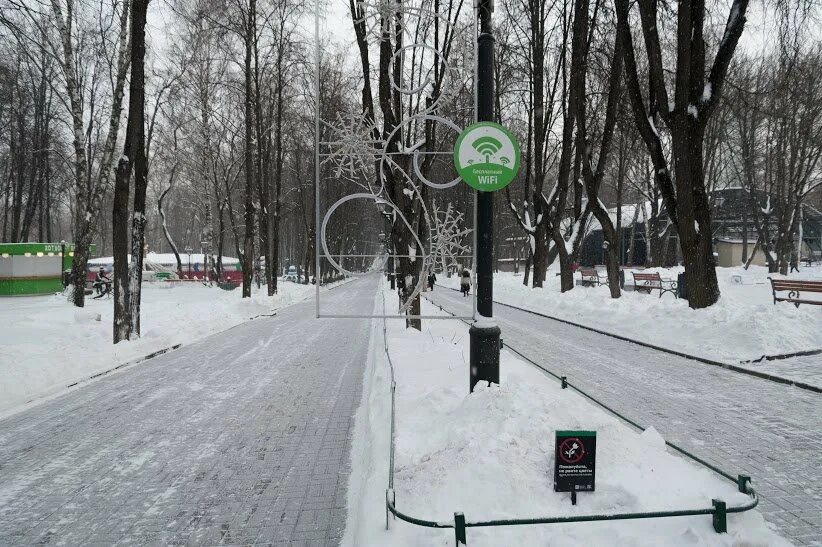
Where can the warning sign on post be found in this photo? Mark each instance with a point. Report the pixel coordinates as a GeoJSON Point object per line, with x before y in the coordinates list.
{"type": "Point", "coordinates": [575, 461]}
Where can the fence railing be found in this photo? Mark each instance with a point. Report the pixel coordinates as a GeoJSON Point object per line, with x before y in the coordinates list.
{"type": "Point", "coordinates": [718, 510]}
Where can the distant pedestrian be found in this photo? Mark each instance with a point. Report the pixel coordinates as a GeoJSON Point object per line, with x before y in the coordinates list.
{"type": "Point", "coordinates": [102, 283]}
{"type": "Point", "coordinates": [794, 263]}
{"type": "Point", "coordinates": [465, 282]}
{"type": "Point", "coordinates": [432, 278]}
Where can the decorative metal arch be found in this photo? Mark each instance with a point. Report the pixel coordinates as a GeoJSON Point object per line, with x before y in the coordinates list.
{"type": "Point", "coordinates": [354, 150]}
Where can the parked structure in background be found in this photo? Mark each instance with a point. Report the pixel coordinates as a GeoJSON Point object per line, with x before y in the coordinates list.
{"type": "Point", "coordinates": [164, 266]}
{"type": "Point", "coordinates": [734, 233]}
{"type": "Point", "coordinates": [34, 268]}
{"type": "Point", "coordinates": [291, 273]}
{"type": "Point", "coordinates": [512, 254]}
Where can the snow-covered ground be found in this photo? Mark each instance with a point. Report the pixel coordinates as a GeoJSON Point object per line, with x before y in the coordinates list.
{"type": "Point", "coordinates": [47, 344]}
{"type": "Point", "coordinates": [745, 324]}
{"type": "Point", "coordinates": [490, 455]}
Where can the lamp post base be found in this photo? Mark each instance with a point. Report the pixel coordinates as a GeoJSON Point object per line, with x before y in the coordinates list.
{"type": "Point", "coordinates": [485, 346]}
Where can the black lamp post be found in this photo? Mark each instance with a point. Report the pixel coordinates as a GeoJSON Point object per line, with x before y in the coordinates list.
{"type": "Point", "coordinates": [65, 278]}
{"type": "Point", "coordinates": [206, 249]}
{"type": "Point", "coordinates": [484, 333]}
{"type": "Point", "coordinates": [188, 250]}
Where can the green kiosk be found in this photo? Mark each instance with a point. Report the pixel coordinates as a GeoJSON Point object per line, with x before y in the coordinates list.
{"type": "Point", "coordinates": [28, 269]}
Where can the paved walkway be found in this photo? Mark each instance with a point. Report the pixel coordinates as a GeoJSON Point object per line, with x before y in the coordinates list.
{"type": "Point", "coordinates": [741, 423]}
{"type": "Point", "coordinates": [241, 438]}
{"type": "Point", "coordinates": [807, 369]}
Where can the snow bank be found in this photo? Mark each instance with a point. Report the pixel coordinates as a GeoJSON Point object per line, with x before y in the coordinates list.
{"type": "Point", "coordinates": [744, 324]}
{"type": "Point", "coordinates": [490, 455]}
{"type": "Point", "coordinates": [47, 344]}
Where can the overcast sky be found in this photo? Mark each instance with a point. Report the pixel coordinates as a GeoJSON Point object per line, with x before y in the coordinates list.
{"type": "Point", "coordinates": [335, 25]}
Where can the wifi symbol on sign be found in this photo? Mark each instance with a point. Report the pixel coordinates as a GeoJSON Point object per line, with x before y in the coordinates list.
{"type": "Point", "coordinates": [487, 146]}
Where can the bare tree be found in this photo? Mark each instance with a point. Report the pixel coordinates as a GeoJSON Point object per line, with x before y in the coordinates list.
{"type": "Point", "coordinates": [686, 116]}
{"type": "Point", "coordinates": [778, 121]}
{"type": "Point", "coordinates": [535, 25]}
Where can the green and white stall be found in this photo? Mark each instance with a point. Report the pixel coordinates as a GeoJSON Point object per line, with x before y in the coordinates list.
{"type": "Point", "coordinates": [28, 269]}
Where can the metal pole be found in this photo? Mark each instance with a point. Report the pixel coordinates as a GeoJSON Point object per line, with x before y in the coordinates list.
{"type": "Point", "coordinates": [485, 333]}
{"type": "Point", "coordinates": [317, 105]}
{"type": "Point", "coordinates": [63, 263]}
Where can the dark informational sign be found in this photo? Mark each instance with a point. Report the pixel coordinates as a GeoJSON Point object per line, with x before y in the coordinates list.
{"type": "Point", "coordinates": [575, 461]}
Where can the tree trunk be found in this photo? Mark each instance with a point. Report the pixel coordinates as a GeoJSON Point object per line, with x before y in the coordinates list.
{"type": "Point", "coordinates": [621, 168]}
{"type": "Point", "coordinates": [744, 235]}
{"type": "Point", "coordinates": [167, 234]}
{"type": "Point", "coordinates": [220, 244]}
{"type": "Point", "coordinates": [247, 255]}
{"type": "Point", "coordinates": [566, 274]}
{"type": "Point", "coordinates": [540, 262]}
{"type": "Point", "coordinates": [278, 176]}
{"type": "Point", "coordinates": [119, 217]}
{"type": "Point", "coordinates": [632, 242]}
{"type": "Point", "coordinates": [82, 228]}
{"type": "Point", "coordinates": [138, 151]}
{"type": "Point", "coordinates": [694, 214]}
{"type": "Point", "coordinates": [262, 175]}
{"type": "Point", "coordinates": [753, 254]}
{"type": "Point", "coordinates": [527, 267]}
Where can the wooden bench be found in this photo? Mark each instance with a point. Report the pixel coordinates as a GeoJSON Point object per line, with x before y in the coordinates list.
{"type": "Point", "coordinates": [650, 281]}
{"type": "Point", "coordinates": [591, 278]}
{"type": "Point", "coordinates": [809, 260]}
{"type": "Point", "coordinates": [795, 288]}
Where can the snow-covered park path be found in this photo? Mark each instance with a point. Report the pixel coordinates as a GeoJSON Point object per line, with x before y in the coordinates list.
{"type": "Point", "coordinates": [242, 437]}
{"type": "Point", "coordinates": [741, 423]}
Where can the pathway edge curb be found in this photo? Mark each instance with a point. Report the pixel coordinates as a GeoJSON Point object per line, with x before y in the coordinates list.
{"type": "Point", "coordinates": [728, 366]}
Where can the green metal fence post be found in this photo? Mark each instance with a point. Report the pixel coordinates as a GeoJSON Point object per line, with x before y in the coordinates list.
{"type": "Point", "coordinates": [564, 382]}
{"type": "Point", "coordinates": [459, 529]}
{"type": "Point", "coordinates": [743, 481]}
{"type": "Point", "coordinates": [720, 516]}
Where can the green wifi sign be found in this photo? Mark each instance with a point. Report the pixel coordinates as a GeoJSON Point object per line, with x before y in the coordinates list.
{"type": "Point", "coordinates": [486, 156]}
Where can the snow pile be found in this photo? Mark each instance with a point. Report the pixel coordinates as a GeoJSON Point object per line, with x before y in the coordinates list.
{"type": "Point", "coordinates": [744, 324]}
{"type": "Point", "coordinates": [490, 455]}
{"type": "Point", "coordinates": [47, 344]}
{"type": "Point", "coordinates": [653, 439]}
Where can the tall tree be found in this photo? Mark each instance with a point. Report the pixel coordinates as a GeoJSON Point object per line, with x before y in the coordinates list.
{"type": "Point", "coordinates": [686, 117]}
{"type": "Point", "coordinates": [136, 111]}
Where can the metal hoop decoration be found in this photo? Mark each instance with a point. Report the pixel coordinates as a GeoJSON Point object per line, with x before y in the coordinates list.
{"type": "Point", "coordinates": [361, 195]}
{"type": "Point", "coordinates": [417, 171]}
{"type": "Point", "coordinates": [355, 139]}
{"type": "Point", "coordinates": [385, 156]}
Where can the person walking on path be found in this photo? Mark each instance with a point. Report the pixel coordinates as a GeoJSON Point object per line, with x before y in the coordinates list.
{"type": "Point", "coordinates": [794, 262]}
{"type": "Point", "coordinates": [465, 282]}
{"type": "Point", "coordinates": [432, 278]}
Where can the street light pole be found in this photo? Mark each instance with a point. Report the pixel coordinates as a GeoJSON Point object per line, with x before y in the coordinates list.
{"type": "Point", "coordinates": [484, 333]}
{"type": "Point", "coordinates": [188, 250]}
{"type": "Point", "coordinates": [206, 250]}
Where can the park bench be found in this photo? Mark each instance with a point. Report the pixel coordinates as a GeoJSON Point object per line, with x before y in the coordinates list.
{"type": "Point", "coordinates": [653, 281]}
{"type": "Point", "coordinates": [227, 285]}
{"type": "Point", "coordinates": [795, 288]}
{"type": "Point", "coordinates": [591, 278]}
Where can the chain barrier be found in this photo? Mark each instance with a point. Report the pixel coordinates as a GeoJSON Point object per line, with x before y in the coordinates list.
{"type": "Point", "coordinates": [718, 510]}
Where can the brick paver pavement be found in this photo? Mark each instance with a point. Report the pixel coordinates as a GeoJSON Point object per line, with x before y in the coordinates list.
{"type": "Point", "coordinates": [740, 423]}
{"type": "Point", "coordinates": [807, 368]}
{"type": "Point", "coordinates": [241, 438]}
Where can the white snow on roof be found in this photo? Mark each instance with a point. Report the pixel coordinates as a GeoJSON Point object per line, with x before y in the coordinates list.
{"type": "Point", "coordinates": [166, 259]}
{"type": "Point", "coordinates": [627, 214]}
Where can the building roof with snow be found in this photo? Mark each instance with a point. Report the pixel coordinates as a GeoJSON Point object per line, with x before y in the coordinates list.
{"type": "Point", "coordinates": [165, 259]}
